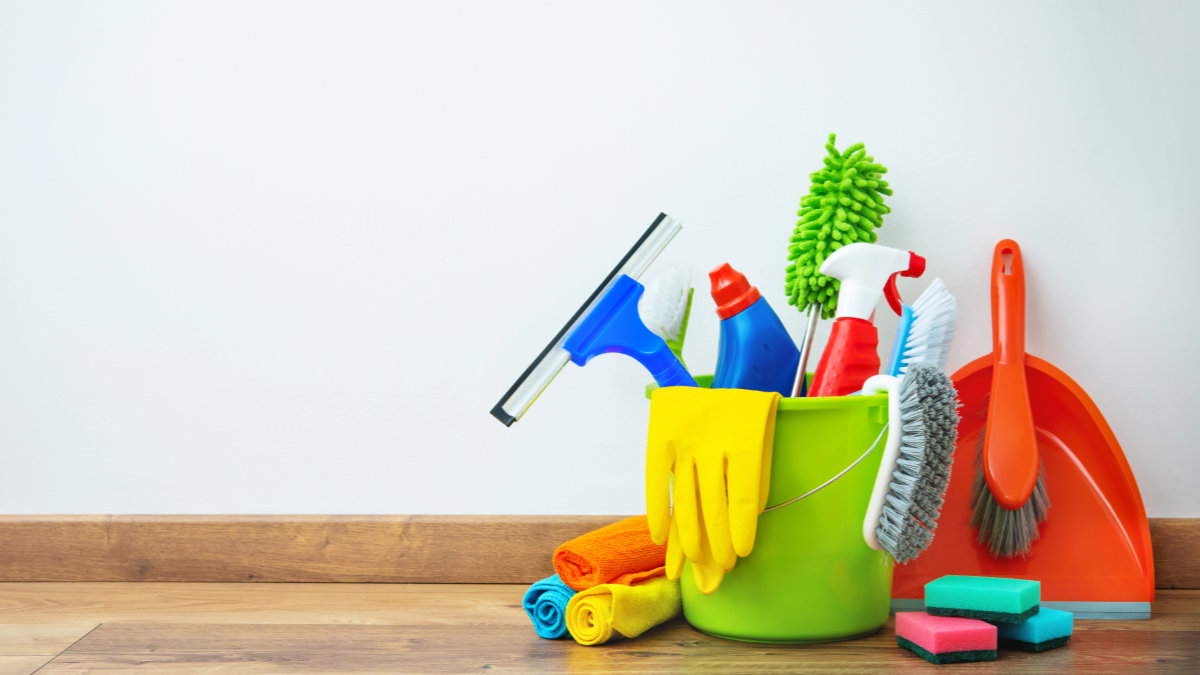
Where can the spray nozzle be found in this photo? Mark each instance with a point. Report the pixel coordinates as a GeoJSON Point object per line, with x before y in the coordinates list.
{"type": "Point", "coordinates": [866, 271]}
{"type": "Point", "coordinates": [916, 268]}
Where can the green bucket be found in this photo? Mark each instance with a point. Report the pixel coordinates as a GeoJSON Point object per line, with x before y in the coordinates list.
{"type": "Point", "coordinates": [810, 577]}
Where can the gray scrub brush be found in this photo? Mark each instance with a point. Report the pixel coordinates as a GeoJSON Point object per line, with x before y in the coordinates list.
{"type": "Point", "coordinates": [915, 470]}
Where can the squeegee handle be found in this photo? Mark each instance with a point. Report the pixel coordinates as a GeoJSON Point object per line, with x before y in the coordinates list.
{"type": "Point", "coordinates": [1010, 455]}
{"type": "Point", "coordinates": [614, 326]}
{"type": "Point", "coordinates": [670, 372]}
{"type": "Point", "coordinates": [648, 349]}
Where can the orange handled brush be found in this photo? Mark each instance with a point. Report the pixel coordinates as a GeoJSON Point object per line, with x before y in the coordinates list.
{"type": "Point", "coordinates": [1010, 460]}
{"type": "Point", "coordinates": [1009, 497]}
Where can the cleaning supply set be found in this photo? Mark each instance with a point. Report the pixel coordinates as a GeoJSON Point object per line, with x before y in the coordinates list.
{"type": "Point", "coordinates": [807, 518]}
{"type": "Point", "coordinates": [811, 478]}
{"type": "Point", "coordinates": [760, 598]}
{"type": "Point", "coordinates": [968, 618]}
{"type": "Point", "coordinates": [750, 492]}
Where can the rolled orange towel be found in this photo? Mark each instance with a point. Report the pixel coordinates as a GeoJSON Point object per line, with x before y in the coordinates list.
{"type": "Point", "coordinates": [621, 553]}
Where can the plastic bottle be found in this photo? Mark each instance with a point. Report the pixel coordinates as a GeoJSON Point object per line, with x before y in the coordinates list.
{"type": "Point", "coordinates": [755, 349]}
{"type": "Point", "coordinates": [867, 272]}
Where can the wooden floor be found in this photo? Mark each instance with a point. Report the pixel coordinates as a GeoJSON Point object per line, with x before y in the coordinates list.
{"type": "Point", "coordinates": [380, 628]}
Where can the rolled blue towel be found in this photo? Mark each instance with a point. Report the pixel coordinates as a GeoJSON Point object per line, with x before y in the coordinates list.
{"type": "Point", "coordinates": [546, 604]}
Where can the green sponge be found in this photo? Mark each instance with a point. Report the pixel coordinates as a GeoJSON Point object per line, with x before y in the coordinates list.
{"type": "Point", "coordinates": [992, 599]}
{"type": "Point", "coordinates": [844, 205]}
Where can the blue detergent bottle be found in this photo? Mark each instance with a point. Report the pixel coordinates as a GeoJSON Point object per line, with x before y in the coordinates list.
{"type": "Point", "coordinates": [755, 349]}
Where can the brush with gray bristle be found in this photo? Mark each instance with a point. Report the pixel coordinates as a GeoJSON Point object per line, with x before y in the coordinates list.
{"type": "Point", "coordinates": [1007, 533]}
{"type": "Point", "coordinates": [903, 521]}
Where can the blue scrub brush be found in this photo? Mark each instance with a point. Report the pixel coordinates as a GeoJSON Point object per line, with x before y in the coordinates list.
{"type": "Point", "coordinates": [925, 331]}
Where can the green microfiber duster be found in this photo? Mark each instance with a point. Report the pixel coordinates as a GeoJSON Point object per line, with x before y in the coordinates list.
{"type": "Point", "coordinates": [844, 205]}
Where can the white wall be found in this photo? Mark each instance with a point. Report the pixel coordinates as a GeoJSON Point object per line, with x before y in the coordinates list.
{"type": "Point", "coordinates": [284, 257]}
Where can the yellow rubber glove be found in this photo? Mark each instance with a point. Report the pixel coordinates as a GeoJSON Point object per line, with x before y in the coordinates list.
{"type": "Point", "coordinates": [717, 444]}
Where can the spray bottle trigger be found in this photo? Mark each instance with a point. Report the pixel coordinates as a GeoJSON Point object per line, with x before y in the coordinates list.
{"type": "Point", "coordinates": [916, 267]}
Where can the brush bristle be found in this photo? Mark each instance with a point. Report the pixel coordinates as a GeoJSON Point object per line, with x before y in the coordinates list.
{"type": "Point", "coordinates": [928, 426]}
{"type": "Point", "coordinates": [935, 315]}
{"type": "Point", "coordinates": [1007, 533]}
{"type": "Point", "coordinates": [664, 305]}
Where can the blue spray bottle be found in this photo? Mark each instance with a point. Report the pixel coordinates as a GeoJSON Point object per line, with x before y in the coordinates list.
{"type": "Point", "coordinates": [755, 350]}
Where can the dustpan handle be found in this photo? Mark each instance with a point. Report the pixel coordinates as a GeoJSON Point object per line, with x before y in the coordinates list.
{"type": "Point", "coordinates": [1010, 460]}
{"type": "Point", "coordinates": [1008, 303]}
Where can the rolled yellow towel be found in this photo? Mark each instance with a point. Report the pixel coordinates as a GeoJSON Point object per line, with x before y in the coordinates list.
{"type": "Point", "coordinates": [595, 614]}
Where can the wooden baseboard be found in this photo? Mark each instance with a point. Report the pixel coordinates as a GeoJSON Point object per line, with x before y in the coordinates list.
{"type": "Point", "coordinates": [392, 549]}
{"type": "Point", "coordinates": [1176, 543]}
{"type": "Point", "coordinates": [386, 549]}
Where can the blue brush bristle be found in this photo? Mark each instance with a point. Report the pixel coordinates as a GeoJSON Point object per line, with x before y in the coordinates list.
{"type": "Point", "coordinates": [925, 331]}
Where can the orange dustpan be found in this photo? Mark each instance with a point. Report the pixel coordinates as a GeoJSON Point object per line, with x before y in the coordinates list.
{"type": "Point", "coordinates": [1093, 556]}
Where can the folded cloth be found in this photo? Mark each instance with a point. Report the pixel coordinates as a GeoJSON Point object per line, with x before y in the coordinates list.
{"type": "Point", "coordinates": [708, 472]}
{"type": "Point", "coordinates": [546, 604]}
{"type": "Point", "coordinates": [593, 615]}
{"type": "Point", "coordinates": [621, 553]}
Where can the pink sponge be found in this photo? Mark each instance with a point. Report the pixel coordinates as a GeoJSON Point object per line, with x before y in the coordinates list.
{"type": "Point", "coordinates": [946, 639]}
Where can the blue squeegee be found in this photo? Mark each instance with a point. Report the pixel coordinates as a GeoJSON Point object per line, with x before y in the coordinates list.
{"type": "Point", "coordinates": [606, 322]}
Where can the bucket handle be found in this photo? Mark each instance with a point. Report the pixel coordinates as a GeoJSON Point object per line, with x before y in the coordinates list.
{"type": "Point", "coordinates": [874, 444]}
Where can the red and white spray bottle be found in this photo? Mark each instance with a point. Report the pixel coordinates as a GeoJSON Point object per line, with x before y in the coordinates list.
{"type": "Point", "coordinates": [852, 353]}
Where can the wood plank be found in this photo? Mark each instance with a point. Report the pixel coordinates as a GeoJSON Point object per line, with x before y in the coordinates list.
{"type": "Point", "coordinates": [476, 606]}
{"type": "Point", "coordinates": [481, 605]}
{"type": "Point", "coordinates": [352, 549]}
{"type": "Point", "coordinates": [22, 665]}
{"type": "Point", "coordinates": [27, 639]}
{"type": "Point", "coordinates": [1176, 543]}
{"type": "Point", "coordinates": [671, 648]}
{"type": "Point", "coordinates": [447, 628]}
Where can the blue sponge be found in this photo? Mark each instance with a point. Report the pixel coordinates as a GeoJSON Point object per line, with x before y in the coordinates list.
{"type": "Point", "coordinates": [1047, 629]}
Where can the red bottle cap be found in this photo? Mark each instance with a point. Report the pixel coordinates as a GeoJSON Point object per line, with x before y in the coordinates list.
{"type": "Point", "coordinates": [731, 291]}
